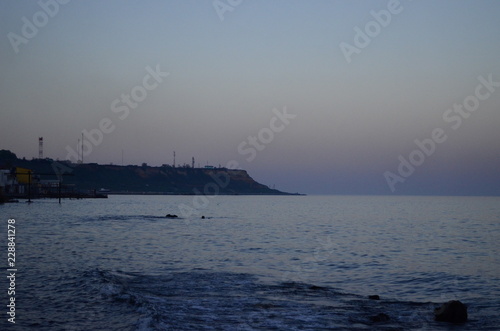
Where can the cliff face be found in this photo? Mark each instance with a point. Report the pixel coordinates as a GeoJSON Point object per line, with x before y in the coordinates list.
{"type": "Point", "coordinates": [146, 179]}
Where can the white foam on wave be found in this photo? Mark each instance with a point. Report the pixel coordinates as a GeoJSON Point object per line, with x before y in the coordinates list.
{"type": "Point", "coordinates": [110, 290]}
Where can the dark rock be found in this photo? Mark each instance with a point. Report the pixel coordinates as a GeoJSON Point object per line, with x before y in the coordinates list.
{"type": "Point", "coordinates": [171, 216]}
{"type": "Point", "coordinates": [373, 297]}
{"type": "Point", "coordinates": [265, 306]}
{"type": "Point", "coordinates": [452, 311]}
{"type": "Point", "coordinates": [380, 318]}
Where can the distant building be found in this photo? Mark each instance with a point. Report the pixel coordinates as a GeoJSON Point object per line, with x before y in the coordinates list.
{"type": "Point", "coordinates": [9, 184]}
{"type": "Point", "coordinates": [23, 175]}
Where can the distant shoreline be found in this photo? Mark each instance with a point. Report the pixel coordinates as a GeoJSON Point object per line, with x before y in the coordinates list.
{"type": "Point", "coordinates": [193, 194]}
{"type": "Point", "coordinates": [93, 178]}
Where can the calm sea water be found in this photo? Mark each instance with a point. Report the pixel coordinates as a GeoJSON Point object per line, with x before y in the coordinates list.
{"type": "Point", "coordinates": [253, 263]}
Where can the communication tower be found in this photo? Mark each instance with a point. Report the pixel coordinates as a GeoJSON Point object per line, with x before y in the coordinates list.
{"type": "Point", "coordinates": [40, 147]}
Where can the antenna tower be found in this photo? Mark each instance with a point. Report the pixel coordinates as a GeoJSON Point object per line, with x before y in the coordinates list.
{"type": "Point", "coordinates": [40, 147]}
{"type": "Point", "coordinates": [82, 147]}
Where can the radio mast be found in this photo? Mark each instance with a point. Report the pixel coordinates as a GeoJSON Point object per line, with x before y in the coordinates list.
{"type": "Point", "coordinates": [40, 147]}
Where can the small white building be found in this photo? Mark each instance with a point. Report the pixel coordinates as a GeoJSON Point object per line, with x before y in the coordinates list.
{"type": "Point", "coordinates": [9, 184]}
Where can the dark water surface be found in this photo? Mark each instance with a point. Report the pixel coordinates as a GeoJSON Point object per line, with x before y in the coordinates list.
{"type": "Point", "coordinates": [254, 262]}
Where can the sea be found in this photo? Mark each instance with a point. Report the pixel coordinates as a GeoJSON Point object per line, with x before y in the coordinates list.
{"type": "Point", "coordinates": [250, 263]}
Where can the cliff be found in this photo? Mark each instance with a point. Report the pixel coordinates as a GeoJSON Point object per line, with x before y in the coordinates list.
{"type": "Point", "coordinates": [142, 179]}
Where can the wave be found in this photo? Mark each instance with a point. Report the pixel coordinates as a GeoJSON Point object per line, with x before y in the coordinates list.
{"type": "Point", "coordinates": [205, 300]}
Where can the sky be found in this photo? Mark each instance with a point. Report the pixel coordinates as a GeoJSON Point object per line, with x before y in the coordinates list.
{"type": "Point", "coordinates": [315, 97]}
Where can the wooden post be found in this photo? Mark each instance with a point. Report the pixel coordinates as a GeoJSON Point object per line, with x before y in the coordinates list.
{"type": "Point", "coordinates": [29, 186]}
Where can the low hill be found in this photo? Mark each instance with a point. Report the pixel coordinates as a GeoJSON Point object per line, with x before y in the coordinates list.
{"type": "Point", "coordinates": [142, 179]}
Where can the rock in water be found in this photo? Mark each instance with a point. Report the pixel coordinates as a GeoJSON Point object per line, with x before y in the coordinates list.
{"type": "Point", "coordinates": [374, 297]}
{"type": "Point", "coordinates": [452, 311]}
{"type": "Point", "coordinates": [380, 318]}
